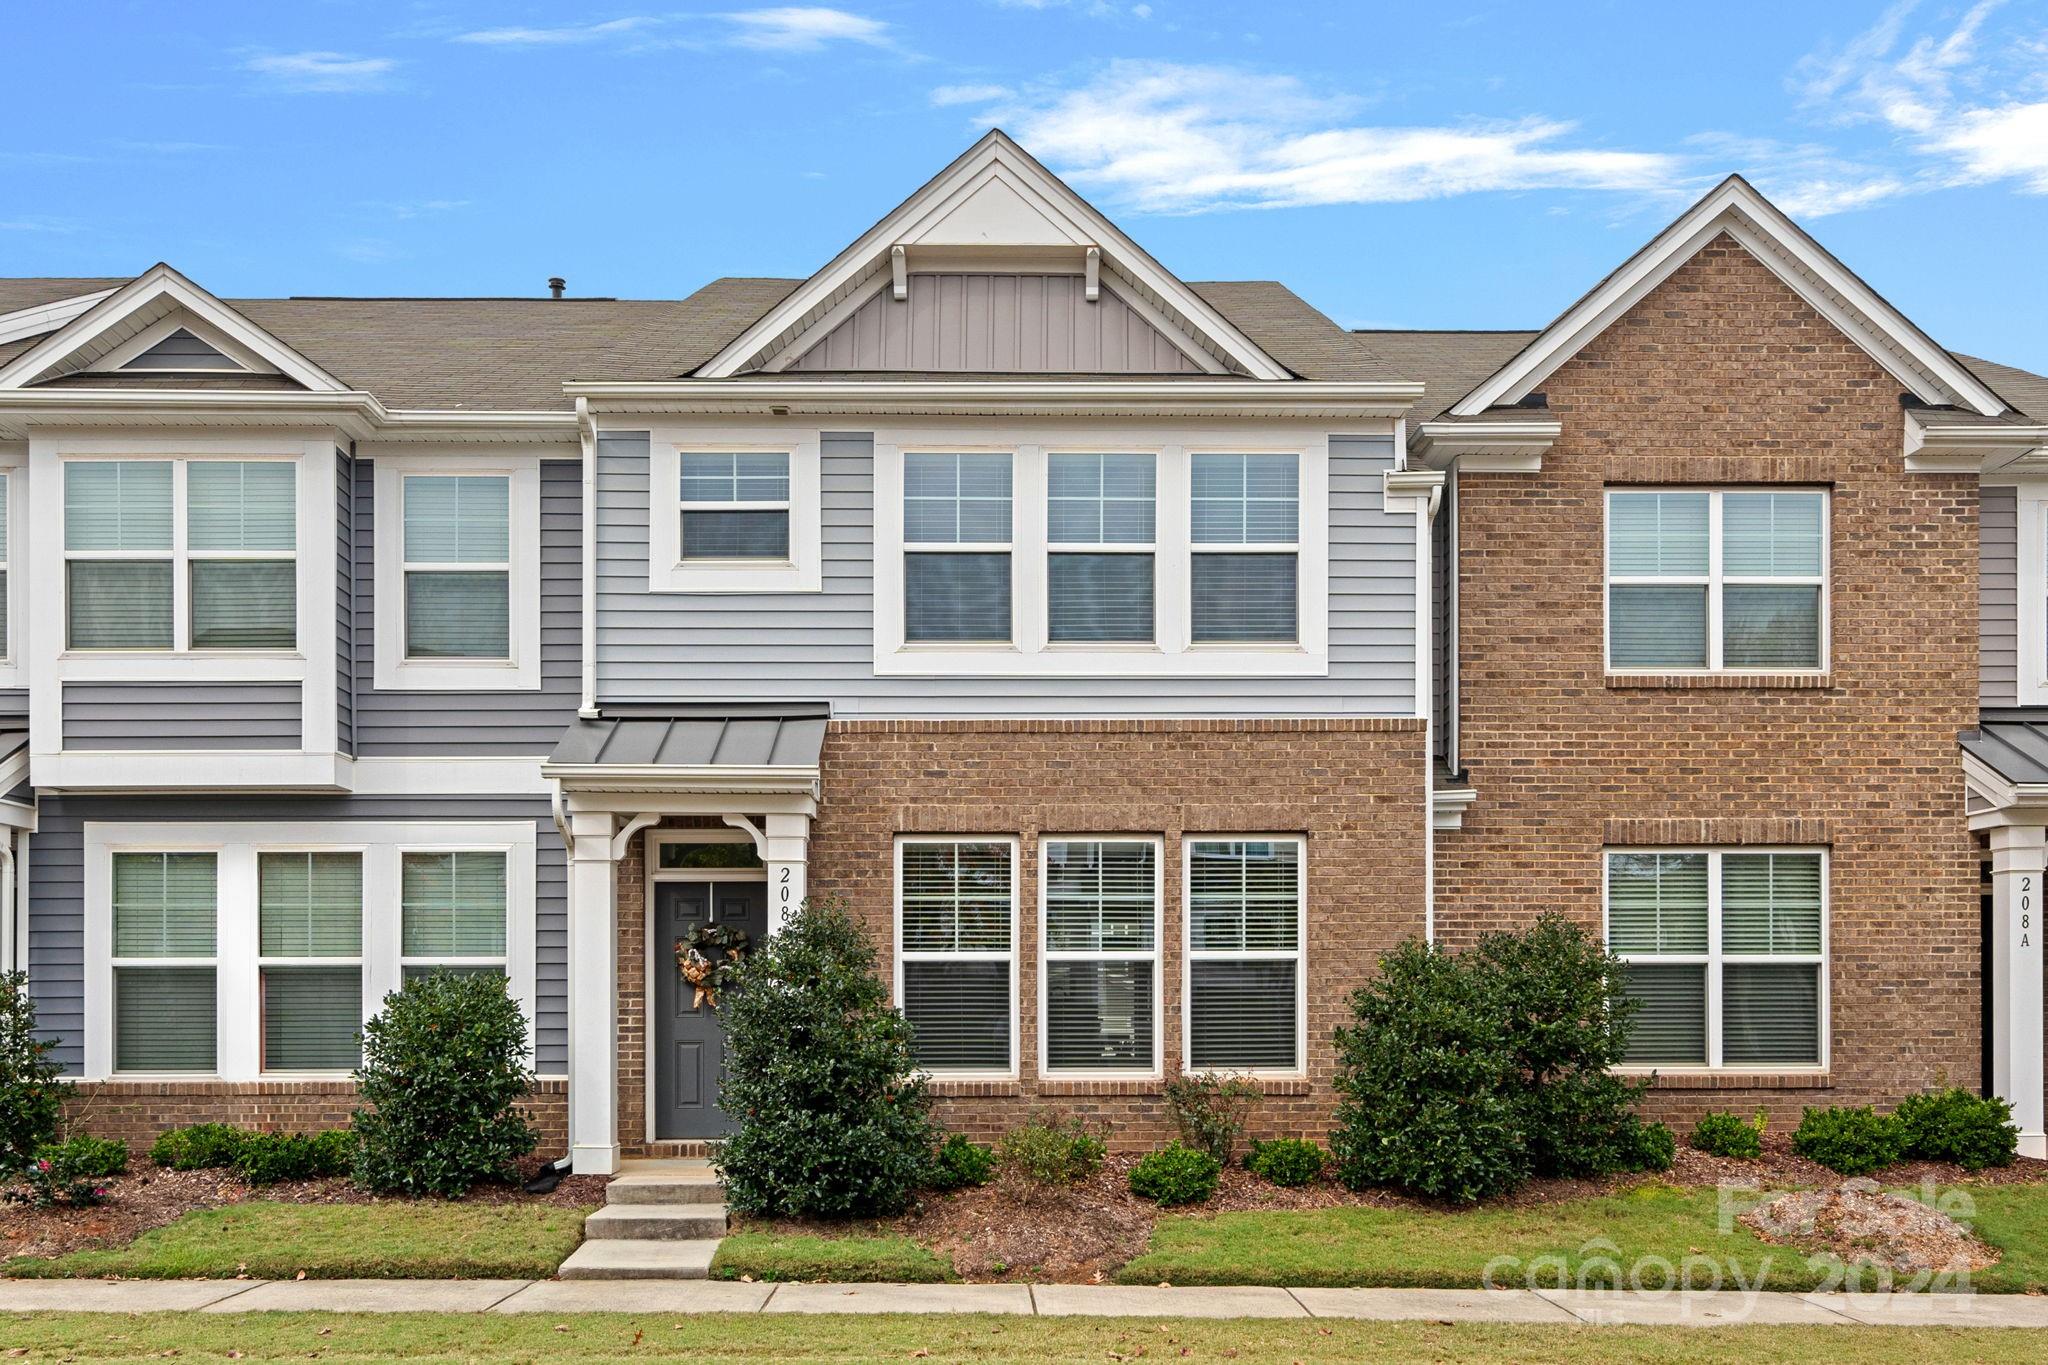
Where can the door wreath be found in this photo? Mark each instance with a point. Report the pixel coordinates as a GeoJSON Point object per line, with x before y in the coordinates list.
{"type": "Point", "coordinates": [705, 955]}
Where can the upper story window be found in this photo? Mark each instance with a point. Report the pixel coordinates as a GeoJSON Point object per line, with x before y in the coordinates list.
{"type": "Point", "coordinates": [1245, 522]}
{"type": "Point", "coordinates": [1101, 520]}
{"type": "Point", "coordinates": [180, 554]}
{"type": "Point", "coordinates": [737, 511]}
{"type": "Point", "coordinates": [735, 505]}
{"type": "Point", "coordinates": [956, 547]}
{"type": "Point", "coordinates": [1732, 580]}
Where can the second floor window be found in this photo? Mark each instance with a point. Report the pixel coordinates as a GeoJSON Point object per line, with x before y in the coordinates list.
{"type": "Point", "coordinates": [1100, 515]}
{"type": "Point", "coordinates": [458, 571]}
{"type": "Point", "coordinates": [956, 541]}
{"type": "Point", "coordinates": [1244, 518]}
{"type": "Point", "coordinates": [735, 505]}
{"type": "Point", "coordinates": [180, 554]}
{"type": "Point", "coordinates": [1717, 580]}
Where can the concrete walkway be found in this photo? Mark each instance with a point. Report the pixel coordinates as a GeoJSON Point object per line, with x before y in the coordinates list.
{"type": "Point", "coordinates": [1697, 1309]}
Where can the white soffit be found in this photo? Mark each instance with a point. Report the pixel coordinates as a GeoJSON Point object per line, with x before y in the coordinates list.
{"type": "Point", "coordinates": [994, 196]}
{"type": "Point", "coordinates": [1736, 208]}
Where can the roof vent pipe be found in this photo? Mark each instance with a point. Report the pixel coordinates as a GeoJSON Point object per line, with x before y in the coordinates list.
{"type": "Point", "coordinates": [556, 284]}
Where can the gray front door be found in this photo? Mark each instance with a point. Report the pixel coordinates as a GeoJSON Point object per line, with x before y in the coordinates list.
{"type": "Point", "coordinates": [689, 1043]}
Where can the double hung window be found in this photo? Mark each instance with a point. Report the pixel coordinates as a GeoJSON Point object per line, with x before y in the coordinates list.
{"type": "Point", "coordinates": [458, 567]}
{"type": "Point", "coordinates": [735, 505]}
{"type": "Point", "coordinates": [1101, 525]}
{"type": "Point", "coordinates": [1244, 927]}
{"type": "Point", "coordinates": [956, 562]}
{"type": "Point", "coordinates": [1245, 524]}
{"type": "Point", "coordinates": [1101, 936]}
{"type": "Point", "coordinates": [165, 938]}
{"type": "Point", "coordinates": [956, 914]}
{"type": "Point", "coordinates": [310, 946]}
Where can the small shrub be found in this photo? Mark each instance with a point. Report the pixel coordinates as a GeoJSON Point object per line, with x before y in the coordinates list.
{"type": "Point", "coordinates": [958, 1163]}
{"type": "Point", "coordinates": [1176, 1174]}
{"type": "Point", "coordinates": [1646, 1146]}
{"type": "Point", "coordinates": [1051, 1149]}
{"type": "Point", "coordinates": [1286, 1161]}
{"type": "Point", "coordinates": [99, 1158]}
{"type": "Point", "coordinates": [70, 1173]}
{"type": "Point", "coordinates": [31, 1095]}
{"type": "Point", "coordinates": [444, 1068]}
{"type": "Point", "coordinates": [200, 1147]}
{"type": "Point", "coordinates": [834, 1115]}
{"type": "Point", "coordinates": [1729, 1135]}
{"type": "Point", "coordinates": [1210, 1111]}
{"type": "Point", "coordinates": [1849, 1141]}
{"type": "Point", "coordinates": [268, 1158]}
{"type": "Point", "coordinates": [1972, 1131]}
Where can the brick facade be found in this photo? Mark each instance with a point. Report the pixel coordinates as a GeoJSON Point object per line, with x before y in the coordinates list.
{"type": "Point", "coordinates": [1722, 375]}
{"type": "Point", "coordinates": [136, 1111]}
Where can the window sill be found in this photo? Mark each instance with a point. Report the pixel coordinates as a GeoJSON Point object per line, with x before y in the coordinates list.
{"type": "Point", "coordinates": [1721, 681]}
{"type": "Point", "coordinates": [1698, 1078]}
{"type": "Point", "coordinates": [735, 576]}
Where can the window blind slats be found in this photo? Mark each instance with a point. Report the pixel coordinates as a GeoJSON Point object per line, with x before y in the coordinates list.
{"type": "Point", "coordinates": [960, 1012]}
{"type": "Point", "coordinates": [956, 499]}
{"type": "Point", "coordinates": [1100, 897]}
{"type": "Point", "coordinates": [956, 897]}
{"type": "Point", "coordinates": [465, 614]}
{"type": "Point", "coordinates": [1657, 902]}
{"type": "Point", "coordinates": [1657, 627]}
{"type": "Point", "coordinates": [747, 476]}
{"type": "Point", "coordinates": [1770, 903]}
{"type": "Point", "coordinates": [311, 1017]}
{"type": "Point", "coordinates": [118, 604]}
{"type": "Point", "coordinates": [1098, 1015]}
{"type": "Point", "coordinates": [458, 519]}
{"type": "Point", "coordinates": [1771, 535]}
{"type": "Point", "coordinates": [1244, 597]}
{"type": "Point", "coordinates": [1099, 597]}
{"type": "Point", "coordinates": [953, 596]}
{"type": "Point", "coordinates": [1770, 1014]}
{"type": "Point", "coordinates": [164, 904]}
{"type": "Point", "coordinates": [117, 505]}
{"type": "Point", "coordinates": [1657, 535]}
{"type": "Point", "coordinates": [1241, 1016]}
{"type": "Point", "coordinates": [1100, 499]}
{"type": "Point", "coordinates": [453, 904]}
{"type": "Point", "coordinates": [1244, 896]}
{"type": "Point", "coordinates": [1244, 499]}
{"type": "Point", "coordinates": [241, 505]}
{"type": "Point", "coordinates": [244, 603]}
{"type": "Point", "coordinates": [164, 1019]}
{"type": "Point", "coordinates": [1770, 626]}
{"type": "Point", "coordinates": [310, 904]}
{"type": "Point", "coordinates": [1671, 1026]}
{"type": "Point", "coordinates": [757, 534]}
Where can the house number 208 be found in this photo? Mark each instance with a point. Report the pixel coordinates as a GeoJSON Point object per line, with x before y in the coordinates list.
{"type": "Point", "coordinates": [2026, 908]}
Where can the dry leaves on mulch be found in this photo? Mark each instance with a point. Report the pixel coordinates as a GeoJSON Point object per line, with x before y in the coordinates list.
{"type": "Point", "coordinates": [1859, 1222]}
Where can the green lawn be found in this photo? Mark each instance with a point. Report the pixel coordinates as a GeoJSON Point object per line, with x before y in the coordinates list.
{"type": "Point", "coordinates": [394, 1240]}
{"type": "Point", "coordinates": [1570, 1241]}
{"type": "Point", "coordinates": [545, 1339]}
{"type": "Point", "coordinates": [854, 1258]}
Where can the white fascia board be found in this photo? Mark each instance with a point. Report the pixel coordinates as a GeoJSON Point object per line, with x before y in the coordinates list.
{"type": "Point", "coordinates": [994, 156]}
{"type": "Point", "coordinates": [1736, 208]}
{"type": "Point", "coordinates": [357, 413]}
{"type": "Point", "coordinates": [1976, 448]}
{"type": "Point", "coordinates": [684, 778]}
{"type": "Point", "coordinates": [1503, 446]}
{"type": "Point", "coordinates": [23, 323]}
{"type": "Point", "coordinates": [1235, 397]}
{"type": "Point", "coordinates": [162, 282]}
{"type": "Point", "coordinates": [169, 771]}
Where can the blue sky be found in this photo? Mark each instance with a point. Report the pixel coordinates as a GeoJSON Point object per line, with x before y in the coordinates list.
{"type": "Point", "coordinates": [1438, 165]}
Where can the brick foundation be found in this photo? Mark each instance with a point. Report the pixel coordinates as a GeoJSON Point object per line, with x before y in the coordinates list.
{"type": "Point", "coordinates": [1352, 787]}
{"type": "Point", "coordinates": [1723, 375]}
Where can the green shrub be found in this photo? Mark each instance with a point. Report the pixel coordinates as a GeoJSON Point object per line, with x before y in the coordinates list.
{"type": "Point", "coordinates": [834, 1116]}
{"type": "Point", "coordinates": [94, 1158]}
{"type": "Point", "coordinates": [1286, 1161]}
{"type": "Point", "coordinates": [1176, 1174]}
{"type": "Point", "coordinates": [267, 1158]}
{"type": "Point", "coordinates": [200, 1147]}
{"type": "Point", "coordinates": [958, 1163]}
{"type": "Point", "coordinates": [66, 1173]}
{"type": "Point", "coordinates": [1051, 1149]}
{"type": "Point", "coordinates": [31, 1096]}
{"type": "Point", "coordinates": [1210, 1111]}
{"type": "Point", "coordinates": [1646, 1146]}
{"type": "Point", "coordinates": [1849, 1141]}
{"type": "Point", "coordinates": [1954, 1125]}
{"type": "Point", "coordinates": [444, 1068]}
{"type": "Point", "coordinates": [1730, 1135]}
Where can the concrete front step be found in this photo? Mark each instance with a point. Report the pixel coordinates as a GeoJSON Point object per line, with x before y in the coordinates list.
{"type": "Point", "coordinates": [655, 1222]}
{"type": "Point", "coordinates": [632, 1259]}
{"type": "Point", "coordinates": [664, 1188]}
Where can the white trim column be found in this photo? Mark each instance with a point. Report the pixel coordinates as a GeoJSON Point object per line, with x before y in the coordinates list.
{"type": "Point", "coordinates": [786, 853]}
{"type": "Point", "coordinates": [2018, 854]}
{"type": "Point", "coordinates": [593, 995]}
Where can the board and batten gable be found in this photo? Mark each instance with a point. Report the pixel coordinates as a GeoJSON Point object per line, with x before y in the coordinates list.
{"type": "Point", "coordinates": [396, 724]}
{"type": "Point", "coordinates": [1998, 570]}
{"type": "Point", "coordinates": [668, 647]}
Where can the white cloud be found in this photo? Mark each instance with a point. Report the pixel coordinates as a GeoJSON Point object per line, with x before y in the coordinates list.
{"type": "Point", "coordinates": [542, 37]}
{"type": "Point", "coordinates": [804, 28]}
{"type": "Point", "coordinates": [1162, 137]}
{"type": "Point", "coordinates": [947, 95]}
{"type": "Point", "coordinates": [321, 73]}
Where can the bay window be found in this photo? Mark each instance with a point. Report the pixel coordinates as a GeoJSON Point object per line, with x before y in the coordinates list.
{"type": "Point", "coordinates": [1710, 579]}
{"type": "Point", "coordinates": [1101, 518]}
{"type": "Point", "coordinates": [1726, 951]}
{"type": "Point", "coordinates": [956, 912]}
{"type": "Point", "coordinates": [956, 561]}
{"type": "Point", "coordinates": [1100, 931]}
{"type": "Point", "coordinates": [1245, 978]}
{"type": "Point", "coordinates": [1244, 517]}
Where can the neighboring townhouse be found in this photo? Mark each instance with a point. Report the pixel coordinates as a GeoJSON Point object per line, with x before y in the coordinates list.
{"type": "Point", "coordinates": [1137, 658]}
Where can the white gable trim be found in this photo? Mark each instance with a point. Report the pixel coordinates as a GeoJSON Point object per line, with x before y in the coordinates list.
{"type": "Point", "coordinates": [149, 336]}
{"type": "Point", "coordinates": [1735, 208]}
{"type": "Point", "coordinates": [83, 342]}
{"type": "Point", "coordinates": [994, 194]}
{"type": "Point", "coordinates": [23, 323]}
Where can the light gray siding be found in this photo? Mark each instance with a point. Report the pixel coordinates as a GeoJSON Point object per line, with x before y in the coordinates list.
{"type": "Point", "coordinates": [344, 602]}
{"type": "Point", "coordinates": [170, 715]}
{"type": "Point", "coordinates": [998, 324]}
{"type": "Point", "coordinates": [56, 881]}
{"type": "Point", "coordinates": [820, 646]}
{"type": "Point", "coordinates": [476, 724]}
{"type": "Point", "coordinates": [1998, 568]}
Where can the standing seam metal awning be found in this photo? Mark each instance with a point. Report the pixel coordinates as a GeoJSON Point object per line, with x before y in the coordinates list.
{"type": "Point", "coordinates": [726, 748]}
{"type": "Point", "coordinates": [2013, 744]}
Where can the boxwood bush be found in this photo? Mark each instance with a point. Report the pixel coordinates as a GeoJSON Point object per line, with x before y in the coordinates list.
{"type": "Point", "coordinates": [91, 1157]}
{"type": "Point", "coordinates": [1730, 1135]}
{"type": "Point", "coordinates": [31, 1095]}
{"type": "Point", "coordinates": [834, 1117]}
{"type": "Point", "coordinates": [198, 1147]}
{"type": "Point", "coordinates": [1175, 1174]}
{"type": "Point", "coordinates": [444, 1068]}
{"type": "Point", "coordinates": [1285, 1161]}
{"type": "Point", "coordinates": [1954, 1125]}
{"type": "Point", "coordinates": [1850, 1141]}
{"type": "Point", "coordinates": [267, 1158]}
{"type": "Point", "coordinates": [958, 1163]}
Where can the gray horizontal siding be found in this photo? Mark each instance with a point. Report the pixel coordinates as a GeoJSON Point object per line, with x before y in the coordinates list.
{"type": "Point", "coordinates": [479, 724]}
{"type": "Point", "coordinates": [1998, 569]}
{"type": "Point", "coordinates": [56, 882]}
{"type": "Point", "coordinates": [168, 715]}
{"type": "Point", "coordinates": [820, 646]}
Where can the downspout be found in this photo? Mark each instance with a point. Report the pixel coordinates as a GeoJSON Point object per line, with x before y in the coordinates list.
{"type": "Point", "coordinates": [586, 431]}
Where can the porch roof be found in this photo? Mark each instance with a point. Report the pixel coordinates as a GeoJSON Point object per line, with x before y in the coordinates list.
{"type": "Point", "coordinates": [2013, 744]}
{"type": "Point", "coordinates": [724, 747]}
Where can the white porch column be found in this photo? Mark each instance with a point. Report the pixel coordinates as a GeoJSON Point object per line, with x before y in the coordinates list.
{"type": "Point", "coordinates": [593, 995]}
{"type": "Point", "coordinates": [2017, 857]}
{"type": "Point", "coordinates": [786, 853]}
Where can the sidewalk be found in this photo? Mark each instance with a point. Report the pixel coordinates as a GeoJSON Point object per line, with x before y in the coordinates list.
{"type": "Point", "coordinates": [1696, 1309]}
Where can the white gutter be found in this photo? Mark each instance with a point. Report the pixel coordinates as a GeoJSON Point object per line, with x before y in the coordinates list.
{"type": "Point", "coordinates": [361, 413]}
{"type": "Point", "coordinates": [1144, 398]}
{"type": "Point", "coordinates": [1508, 445]}
{"type": "Point", "coordinates": [586, 431]}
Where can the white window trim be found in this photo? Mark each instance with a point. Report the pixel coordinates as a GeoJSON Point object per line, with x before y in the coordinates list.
{"type": "Point", "coordinates": [1715, 580]}
{"type": "Point", "coordinates": [1170, 654]}
{"type": "Point", "coordinates": [1714, 959]}
{"type": "Point", "coordinates": [392, 670]}
{"type": "Point", "coordinates": [900, 955]}
{"type": "Point", "coordinates": [238, 995]}
{"type": "Point", "coordinates": [667, 571]}
{"type": "Point", "coordinates": [2031, 590]}
{"type": "Point", "coordinates": [262, 961]}
{"type": "Point", "coordinates": [1190, 955]}
{"type": "Point", "coordinates": [1047, 956]}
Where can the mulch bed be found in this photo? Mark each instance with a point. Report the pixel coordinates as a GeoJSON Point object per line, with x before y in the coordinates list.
{"type": "Point", "coordinates": [147, 1197]}
{"type": "Point", "coordinates": [1083, 1233]}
